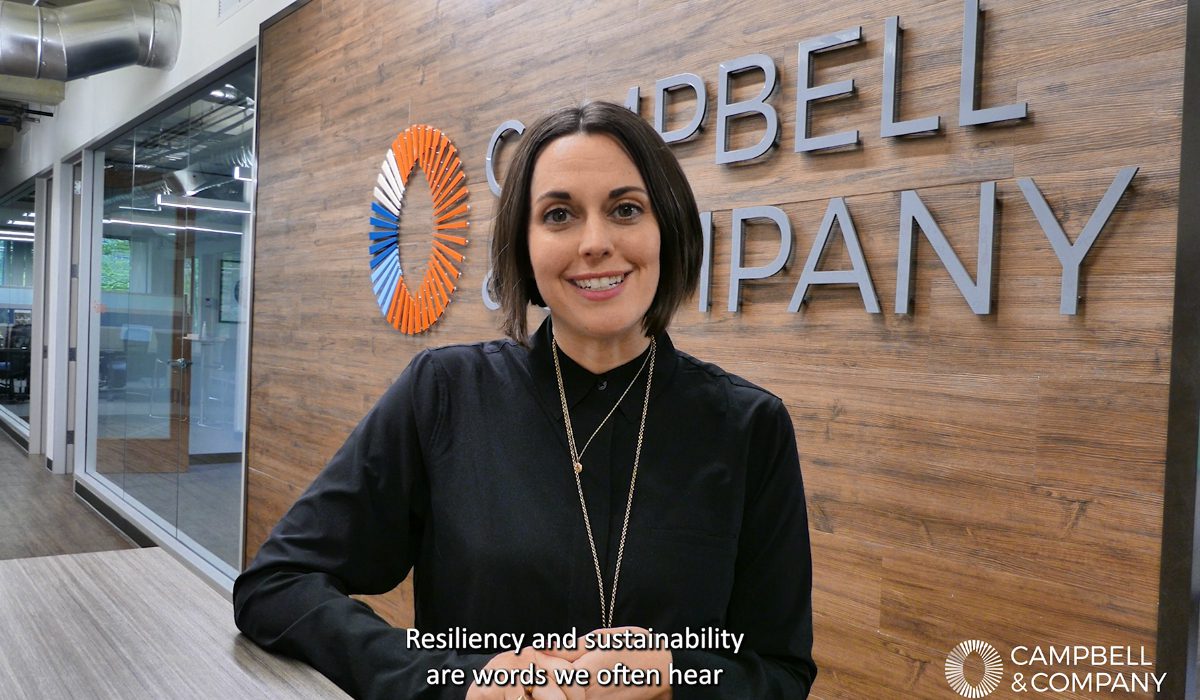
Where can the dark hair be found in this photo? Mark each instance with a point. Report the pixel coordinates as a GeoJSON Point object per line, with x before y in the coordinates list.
{"type": "Point", "coordinates": [681, 245]}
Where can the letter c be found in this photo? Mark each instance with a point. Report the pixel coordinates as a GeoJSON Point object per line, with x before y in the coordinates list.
{"type": "Point", "coordinates": [489, 163]}
{"type": "Point", "coordinates": [1013, 655]}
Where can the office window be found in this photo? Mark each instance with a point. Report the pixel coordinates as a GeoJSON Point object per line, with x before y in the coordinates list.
{"type": "Point", "coordinates": [17, 221]}
{"type": "Point", "coordinates": [169, 379]}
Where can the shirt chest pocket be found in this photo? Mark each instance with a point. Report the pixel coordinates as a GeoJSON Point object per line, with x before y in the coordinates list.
{"type": "Point", "coordinates": [680, 577]}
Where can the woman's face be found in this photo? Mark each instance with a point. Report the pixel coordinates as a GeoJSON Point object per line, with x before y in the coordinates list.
{"type": "Point", "coordinates": [593, 241]}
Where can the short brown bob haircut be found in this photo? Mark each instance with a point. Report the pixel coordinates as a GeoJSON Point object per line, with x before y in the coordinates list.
{"type": "Point", "coordinates": [681, 247]}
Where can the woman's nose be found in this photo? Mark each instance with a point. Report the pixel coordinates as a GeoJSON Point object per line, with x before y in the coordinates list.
{"type": "Point", "coordinates": [597, 239]}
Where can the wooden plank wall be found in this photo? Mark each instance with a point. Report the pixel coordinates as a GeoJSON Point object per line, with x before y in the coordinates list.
{"type": "Point", "coordinates": [995, 477]}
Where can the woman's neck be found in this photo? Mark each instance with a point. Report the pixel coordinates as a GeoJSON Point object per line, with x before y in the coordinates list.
{"type": "Point", "coordinates": [599, 356]}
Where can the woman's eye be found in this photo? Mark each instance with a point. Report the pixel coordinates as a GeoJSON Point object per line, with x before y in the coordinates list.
{"type": "Point", "coordinates": [557, 215]}
{"type": "Point", "coordinates": [627, 210]}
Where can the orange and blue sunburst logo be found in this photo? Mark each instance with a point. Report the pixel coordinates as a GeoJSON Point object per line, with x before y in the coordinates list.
{"type": "Point", "coordinates": [429, 149]}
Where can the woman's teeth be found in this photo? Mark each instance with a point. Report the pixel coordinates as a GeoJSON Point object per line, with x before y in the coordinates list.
{"type": "Point", "coordinates": [598, 283]}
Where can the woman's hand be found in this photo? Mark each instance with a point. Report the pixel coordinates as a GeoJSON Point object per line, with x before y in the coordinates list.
{"type": "Point", "coordinates": [514, 691]}
{"type": "Point", "coordinates": [553, 691]}
{"type": "Point", "coordinates": [634, 661]}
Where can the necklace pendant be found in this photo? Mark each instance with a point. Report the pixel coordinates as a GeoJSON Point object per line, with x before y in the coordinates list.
{"type": "Point", "coordinates": [578, 467]}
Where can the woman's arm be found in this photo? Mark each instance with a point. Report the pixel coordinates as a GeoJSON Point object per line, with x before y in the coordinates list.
{"type": "Point", "coordinates": [357, 529]}
{"type": "Point", "coordinates": [771, 602]}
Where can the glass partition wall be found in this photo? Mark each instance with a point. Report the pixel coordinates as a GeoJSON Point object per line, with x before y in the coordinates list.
{"type": "Point", "coordinates": [17, 222]}
{"type": "Point", "coordinates": [169, 378]}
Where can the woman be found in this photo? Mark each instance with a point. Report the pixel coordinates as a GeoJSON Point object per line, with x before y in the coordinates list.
{"type": "Point", "coordinates": [587, 477]}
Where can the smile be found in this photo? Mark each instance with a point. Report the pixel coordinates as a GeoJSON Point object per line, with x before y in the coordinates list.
{"type": "Point", "coordinates": [597, 284]}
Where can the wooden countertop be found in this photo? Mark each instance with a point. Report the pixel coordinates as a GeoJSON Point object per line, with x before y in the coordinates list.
{"type": "Point", "coordinates": [131, 624]}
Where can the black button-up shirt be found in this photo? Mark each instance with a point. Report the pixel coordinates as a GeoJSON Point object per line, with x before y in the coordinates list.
{"type": "Point", "coordinates": [461, 474]}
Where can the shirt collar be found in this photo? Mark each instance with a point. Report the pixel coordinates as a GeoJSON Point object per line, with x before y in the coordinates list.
{"type": "Point", "coordinates": [579, 383]}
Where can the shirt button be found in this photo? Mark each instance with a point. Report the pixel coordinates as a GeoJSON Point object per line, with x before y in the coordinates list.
{"type": "Point", "coordinates": [602, 385]}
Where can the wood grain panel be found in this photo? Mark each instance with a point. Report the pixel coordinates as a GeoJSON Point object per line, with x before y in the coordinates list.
{"type": "Point", "coordinates": [995, 477]}
{"type": "Point", "coordinates": [931, 603]}
{"type": "Point", "coordinates": [849, 593]}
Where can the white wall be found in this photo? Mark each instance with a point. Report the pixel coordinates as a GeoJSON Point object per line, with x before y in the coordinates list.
{"type": "Point", "coordinates": [96, 107]}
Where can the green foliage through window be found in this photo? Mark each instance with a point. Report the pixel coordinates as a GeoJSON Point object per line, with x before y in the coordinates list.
{"type": "Point", "coordinates": [114, 265]}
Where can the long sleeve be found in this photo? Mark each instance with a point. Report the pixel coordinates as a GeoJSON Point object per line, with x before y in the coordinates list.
{"type": "Point", "coordinates": [771, 602]}
{"type": "Point", "coordinates": [357, 529]}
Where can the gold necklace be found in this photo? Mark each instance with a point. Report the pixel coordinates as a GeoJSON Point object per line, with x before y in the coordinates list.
{"type": "Point", "coordinates": [577, 458]}
{"type": "Point", "coordinates": [606, 607]}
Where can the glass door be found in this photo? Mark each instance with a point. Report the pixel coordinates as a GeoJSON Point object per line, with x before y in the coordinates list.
{"type": "Point", "coordinates": [208, 373]}
{"type": "Point", "coordinates": [172, 329]}
{"type": "Point", "coordinates": [17, 224]}
{"type": "Point", "coordinates": [141, 419]}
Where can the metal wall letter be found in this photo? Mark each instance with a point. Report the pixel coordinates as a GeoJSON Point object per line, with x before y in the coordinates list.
{"type": "Point", "coordinates": [706, 261]}
{"type": "Point", "coordinates": [737, 273]}
{"type": "Point", "coordinates": [489, 162]}
{"type": "Point", "coordinates": [892, 42]}
{"type": "Point", "coordinates": [675, 82]}
{"type": "Point", "coordinates": [972, 57]}
{"type": "Point", "coordinates": [836, 211]}
{"type": "Point", "coordinates": [1071, 255]}
{"type": "Point", "coordinates": [807, 93]}
{"type": "Point", "coordinates": [727, 111]}
{"type": "Point", "coordinates": [633, 98]}
{"type": "Point", "coordinates": [978, 294]}
{"type": "Point", "coordinates": [488, 303]}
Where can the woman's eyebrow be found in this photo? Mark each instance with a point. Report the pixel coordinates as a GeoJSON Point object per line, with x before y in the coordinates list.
{"type": "Point", "coordinates": [626, 190]}
{"type": "Point", "coordinates": [554, 194]}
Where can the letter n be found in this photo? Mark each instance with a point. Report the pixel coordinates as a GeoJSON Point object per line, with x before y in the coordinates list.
{"type": "Point", "coordinates": [977, 293]}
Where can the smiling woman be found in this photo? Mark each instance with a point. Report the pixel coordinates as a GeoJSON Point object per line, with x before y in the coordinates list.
{"type": "Point", "coordinates": [587, 478]}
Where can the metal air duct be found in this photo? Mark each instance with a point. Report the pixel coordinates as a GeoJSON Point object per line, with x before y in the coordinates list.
{"type": "Point", "coordinates": [85, 39]}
